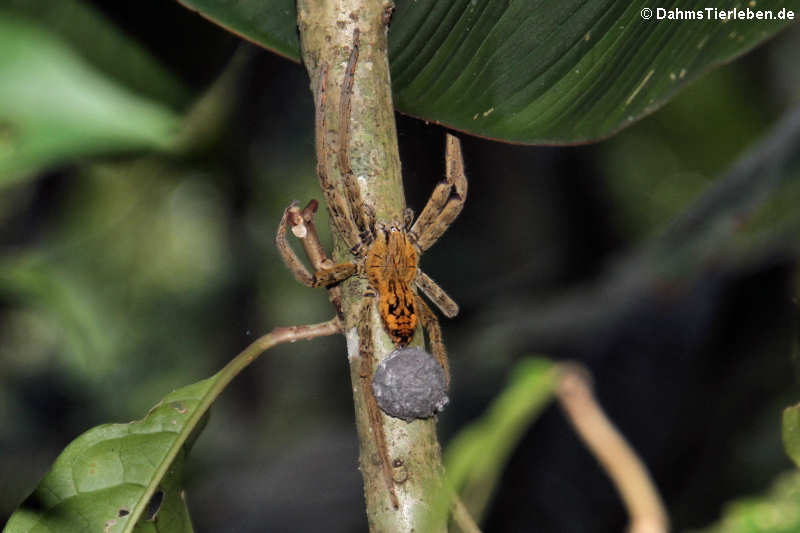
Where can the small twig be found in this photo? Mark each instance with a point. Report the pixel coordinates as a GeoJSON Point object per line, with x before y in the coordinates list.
{"type": "Point", "coordinates": [645, 509]}
{"type": "Point", "coordinates": [221, 380]}
{"type": "Point", "coordinates": [462, 518]}
{"type": "Point", "coordinates": [277, 336]}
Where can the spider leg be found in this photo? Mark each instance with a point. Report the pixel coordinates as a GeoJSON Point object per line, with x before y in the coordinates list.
{"type": "Point", "coordinates": [290, 258]}
{"type": "Point", "coordinates": [363, 215]}
{"type": "Point", "coordinates": [303, 226]}
{"type": "Point", "coordinates": [436, 294]}
{"type": "Point", "coordinates": [434, 206]}
{"type": "Point", "coordinates": [325, 277]}
{"type": "Point", "coordinates": [340, 212]}
{"type": "Point", "coordinates": [366, 352]}
{"type": "Point", "coordinates": [408, 218]}
{"type": "Point", "coordinates": [446, 201]}
{"type": "Point", "coordinates": [434, 333]}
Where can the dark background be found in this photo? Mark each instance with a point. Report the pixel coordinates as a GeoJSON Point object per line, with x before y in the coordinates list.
{"type": "Point", "coordinates": [153, 272]}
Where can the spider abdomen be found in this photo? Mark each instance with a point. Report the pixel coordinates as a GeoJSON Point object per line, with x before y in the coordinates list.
{"type": "Point", "coordinates": [391, 266]}
{"type": "Point", "coordinates": [397, 309]}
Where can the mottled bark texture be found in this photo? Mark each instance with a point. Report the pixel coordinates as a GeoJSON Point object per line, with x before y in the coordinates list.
{"type": "Point", "coordinates": [327, 29]}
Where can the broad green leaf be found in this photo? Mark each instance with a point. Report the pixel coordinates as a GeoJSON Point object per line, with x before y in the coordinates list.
{"type": "Point", "coordinates": [166, 511]}
{"type": "Point", "coordinates": [54, 106]}
{"type": "Point", "coordinates": [536, 71]}
{"type": "Point", "coordinates": [791, 432]}
{"type": "Point", "coordinates": [116, 474]}
{"type": "Point", "coordinates": [271, 23]}
{"type": "Point", "coordinates": [108, 476]}
{"type": "Point", "coordinates": [777, 511]}
{"type": "Point", "coordinates": [475, 457]}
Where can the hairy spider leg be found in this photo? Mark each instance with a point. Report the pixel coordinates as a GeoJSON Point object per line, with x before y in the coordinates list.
{"type": "Point", "coordinates": [338, 208]}
{"type": "Point", "coordinates": [322, 277]}
{"type": "Point", "coordinates": [446, 201]}
{"type": "Point", "coordinates": [435, 339]}
{"type": "Point", "coordinates": [367, 353]}
{"type": "Point", "coordinates": [363, 215]}
{"type": "Point", "coordinates": [325, 277]}
{"type": "Point", "coordinates": [290, 258]}
{"type": "Point", "coordinates": [436, 294]}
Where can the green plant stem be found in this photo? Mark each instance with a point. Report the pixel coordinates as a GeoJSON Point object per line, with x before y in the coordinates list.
{"type": "Point", "coordinates": [222, 379]}
{"type": "Point", "coordinates": [327, 29]}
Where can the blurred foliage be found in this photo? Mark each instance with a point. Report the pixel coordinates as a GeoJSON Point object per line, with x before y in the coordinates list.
{"type": "Point", "coordinates": [777, 511]}
{"type": "Point", "coordinates": [745, 216]}
{"type": "Point", "coordinates": [476, 455]}
{"type": "Point", "coordinates": [55, 107]}
{"type": "Point", "coordinates": [791, 432]}
{"type": "Point", "coordinates": [125, 277]}
{"type": "Point", "coordinates": [86, 32]}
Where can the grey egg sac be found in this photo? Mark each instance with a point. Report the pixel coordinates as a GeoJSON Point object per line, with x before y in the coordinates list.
{"type": "Point", "coordinates": [410, 384]}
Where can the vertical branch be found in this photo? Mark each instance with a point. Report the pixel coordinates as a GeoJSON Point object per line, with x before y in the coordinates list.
{"type": "Point", "coordinates": [329, 30]}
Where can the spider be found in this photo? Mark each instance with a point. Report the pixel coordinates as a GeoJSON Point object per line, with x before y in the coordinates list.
{"type": "Point", "coordinates": [385, 253]}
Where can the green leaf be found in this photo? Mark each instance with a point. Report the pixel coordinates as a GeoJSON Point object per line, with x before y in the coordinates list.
{"type": "Point", "coordinates": [475, 457]}
{"type": "Point", "coordinates": [529, 72]}
{"type": "Point", "coordinates": [777, 511]}
{"type": "Point", "coordinates": [791, 432]}
{"type": "Point", "coordinates": [55, 107]}
{"type": "Point", "coordinates": [106, 478]}
{"type": "Point", "coordinates": [271, 23]}
{"type": "Point", "coordinates": [111, 476]}
{"type": "Point", "coordinates": [166, 511]}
